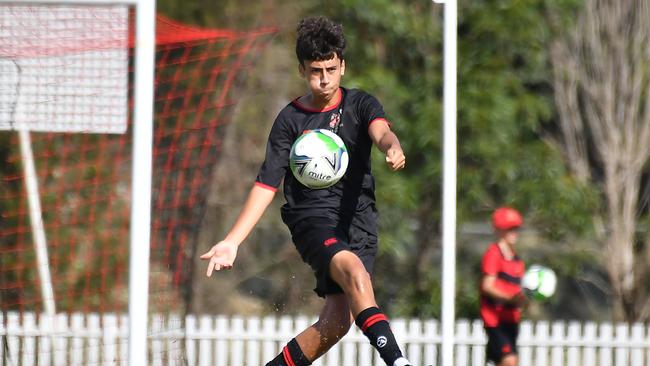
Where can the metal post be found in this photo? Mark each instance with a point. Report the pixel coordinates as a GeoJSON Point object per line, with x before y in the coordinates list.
{"type": "Point", "coordinates": [145, 43]}
{"type": "Point", "coordinates": [449, 183]}
{"type": "Point", "coordinates": [36, 219]}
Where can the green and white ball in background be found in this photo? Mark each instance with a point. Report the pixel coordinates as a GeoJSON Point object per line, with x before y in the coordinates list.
{"type": "Point", "coordinates": [318, 159]}
{"type": "Point", "coordinates": [539, 282]}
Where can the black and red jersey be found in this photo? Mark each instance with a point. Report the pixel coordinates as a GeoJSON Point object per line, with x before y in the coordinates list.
{"type": "Point", "coordinates": [353, 197]}
{"type": "Point", "coordinates": [509, 273]}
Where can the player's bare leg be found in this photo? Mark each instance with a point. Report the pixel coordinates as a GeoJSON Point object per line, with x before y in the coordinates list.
{"type": "Point", "coordinates": [509, 360]}
{"type": "Point", "coordinates": [333, 323]}
{"type": "Point", "coordinates": [335, 318]}
{"type": "Point", "coordinates": [349, 272]}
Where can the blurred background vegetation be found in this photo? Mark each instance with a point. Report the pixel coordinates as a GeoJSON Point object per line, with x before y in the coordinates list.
{"type": "Point", "coordinates": [510, 152]}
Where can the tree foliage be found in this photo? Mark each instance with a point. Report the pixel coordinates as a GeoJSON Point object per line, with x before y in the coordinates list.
{"type": "Point", "coordinates": [505, 101]}
{"type": "Point", "coordinates": [507, 117]}
{"type": "Point", "coordinates": [505, 112]}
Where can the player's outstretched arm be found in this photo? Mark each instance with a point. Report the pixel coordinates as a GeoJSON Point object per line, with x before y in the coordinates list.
{"type": "Point", "coordinates": [388, 143]}
{"type": "Point", "coordinates": [222, 255]}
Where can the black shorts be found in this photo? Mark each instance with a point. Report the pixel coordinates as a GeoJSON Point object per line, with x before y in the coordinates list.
{"type": "Point", "coordinates": [502, 341]}
{"type": "Point", "coordinates": [318, 240]}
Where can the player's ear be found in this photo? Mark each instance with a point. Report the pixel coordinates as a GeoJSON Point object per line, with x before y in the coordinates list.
{"type": "Point", "coordinates": [342, 67]}
{"type": "Point", "coordinates": [301, 70]}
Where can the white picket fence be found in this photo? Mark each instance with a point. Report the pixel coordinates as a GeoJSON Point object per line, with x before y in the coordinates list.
{"type": "Point", "coordinates": [90, 339]}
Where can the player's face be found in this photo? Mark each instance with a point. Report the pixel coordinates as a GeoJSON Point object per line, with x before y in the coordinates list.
{"type": "Point", "coordinates": [511, 235]}
{"type": "Point", "coordinates": [324, 77]}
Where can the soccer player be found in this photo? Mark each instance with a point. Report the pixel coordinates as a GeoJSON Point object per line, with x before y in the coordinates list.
{"type": "Point", "coordinates": [334, 229]}
{"type": "Point", "coordinates": [500, 289]}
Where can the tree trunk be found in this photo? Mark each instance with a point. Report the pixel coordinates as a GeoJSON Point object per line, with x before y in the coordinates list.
{"type": "Point", "coordinates": [602, 92]}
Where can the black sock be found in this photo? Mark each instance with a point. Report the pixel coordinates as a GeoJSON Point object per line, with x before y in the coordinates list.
{"type": "Point", "coordinates": [291, 355]}
{"type": "Point", "coordinates": [374, 325]}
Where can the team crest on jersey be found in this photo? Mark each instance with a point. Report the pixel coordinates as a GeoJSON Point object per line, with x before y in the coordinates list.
{"type": "Point", "coordinates": [335, 121]}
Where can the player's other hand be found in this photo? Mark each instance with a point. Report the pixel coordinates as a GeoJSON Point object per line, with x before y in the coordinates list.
{"type": "Point", "coordinates": [221, 256]}
{"type": "Point", "coordinates": [519, 299]}
{"type": "Point", "coordinates": [395, 158]}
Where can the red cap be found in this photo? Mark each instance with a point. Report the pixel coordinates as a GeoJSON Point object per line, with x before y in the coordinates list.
{"type": "Point", "coordinates": [505, 218]}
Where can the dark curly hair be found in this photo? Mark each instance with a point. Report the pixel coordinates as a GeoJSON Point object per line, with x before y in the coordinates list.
{"type": "Point", "coordinates": [319, 39]}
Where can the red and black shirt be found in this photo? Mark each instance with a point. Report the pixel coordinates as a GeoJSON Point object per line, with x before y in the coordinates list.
{"type": "Point", "coordinates": [353, 197]}
{"type": "Point", "coordinates": [509, 273]}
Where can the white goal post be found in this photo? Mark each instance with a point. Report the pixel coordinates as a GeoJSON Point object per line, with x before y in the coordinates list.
{"type": "Point", "coordinates": [449, 180]}
{"type": "Point", "coordinates": [31, 101]}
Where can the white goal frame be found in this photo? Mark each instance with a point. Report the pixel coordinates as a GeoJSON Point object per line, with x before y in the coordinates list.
{"type": "Point", "coordinates": [449, 179]}
{"type": "Point", "coordinates": [140, 220]}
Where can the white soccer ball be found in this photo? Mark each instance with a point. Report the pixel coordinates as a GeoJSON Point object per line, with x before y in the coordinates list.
{"type": "Point", "coordinates": [540, 282]}
{"type": "Point", "coordinates": [318, 159]}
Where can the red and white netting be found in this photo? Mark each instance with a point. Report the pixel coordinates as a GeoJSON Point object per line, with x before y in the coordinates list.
{"type": "Point", "coordinates": [69, 70]}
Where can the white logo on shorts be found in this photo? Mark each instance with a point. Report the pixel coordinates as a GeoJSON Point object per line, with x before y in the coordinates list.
{"type": "Point", "coordinates": [381, 341]}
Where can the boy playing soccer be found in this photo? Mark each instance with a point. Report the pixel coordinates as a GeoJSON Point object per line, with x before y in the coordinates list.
{"type": "Point", "coordinates": [500, 289]}
{"type": "Point", "coordinates": [334, 229]}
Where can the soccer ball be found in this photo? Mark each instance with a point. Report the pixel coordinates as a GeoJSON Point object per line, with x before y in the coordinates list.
{"type": "Point", "coordinates": [318, 159]}
{"type": "Point", "coordinates": [539, 282]}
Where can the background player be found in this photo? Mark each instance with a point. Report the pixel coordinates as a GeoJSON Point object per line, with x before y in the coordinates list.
{"type": "Point", "coordinates": [501, 297]}
{"type": "Point", "coordinates": [334, 229]}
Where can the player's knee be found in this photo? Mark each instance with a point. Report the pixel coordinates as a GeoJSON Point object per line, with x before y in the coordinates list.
{"type": "Point", "coordinates": [350, 273]}
{"type": "Point", "coordinates": [358, 280]}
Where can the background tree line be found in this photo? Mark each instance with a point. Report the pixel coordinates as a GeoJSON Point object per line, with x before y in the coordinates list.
{"type": "Point", "coordinates": [553, 119]}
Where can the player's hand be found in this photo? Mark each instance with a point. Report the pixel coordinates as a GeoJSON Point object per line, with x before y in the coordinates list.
{"type": "Point", "coordinates": [519, 300]}
{"type": "Point", "coordinates": [221, 256]}
{"type": "Point", "coordinates": [395, 158]}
